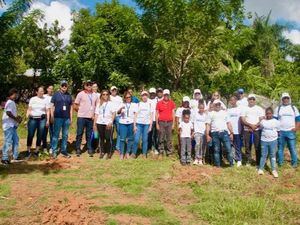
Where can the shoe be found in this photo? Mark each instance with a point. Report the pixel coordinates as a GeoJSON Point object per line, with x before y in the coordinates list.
{"type": "Point", "coordinates": [127, 156]}
{"type": "Point", "coordinates": [121, 156]}
{"type": "Point", "coordinates": [5, 162]}
{"type": "Point", "coordinates": [275, 174]}
{"type": "Point", "coordinates": [133, 156]}
{"type": "Point", "coordinates": [78, 153]}
{"type": "Point", "coordinates": [91, 155]}
{"type": "Point", "coordinates": [200, 163]}
{"type": "Point", "coordinates": [66, 155]}
{"type": "Point", "coordinates": [238, 164]}
{"type": "Point", "coordinates": [50, 151]}
{"type": "Point", "coordinates": [260, 172]}
{"type": "Point", "coordinates": [183, 163]}
{"type": "Point", "coordinates": [17, 160]}
{"type": "Point", "coordinates": [156, 152]}
{"type": "Point", "coordinates": [28, 155]}
{"type": "Point", "coordinates": [36, 154]}
{"type": "Point", "coordinates": [101, 156]}
{"type": "Point", "coordinates": [54, 155]}
{"type": "Point", "coordinates": [196, 162]}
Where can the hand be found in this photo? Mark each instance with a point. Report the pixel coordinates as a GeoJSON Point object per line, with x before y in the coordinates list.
{"type": "Point", "coordinates": [19, 119]}
{"type": "Point", "coordinates": [95, 127]}
{"type": "Point", "coordinates": [47, 124]}
{"type": "Point", "coordinates": [134, 129]}
{"type": "Point", "coordinates": [109, 126]}
{"type": "Point", "coordinates": [150, 128]}
{"type": "Point", "coordinates": [253, 127]}
{"type": "Point", "coordinates": [208, 138]}
{"type": "Point", "coordinates": [157, 126]}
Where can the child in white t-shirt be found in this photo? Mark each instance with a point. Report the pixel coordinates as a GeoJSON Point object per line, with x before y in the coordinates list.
{"type": "Point", "coordinates": [186, 131]}
{"type": "Point", "coordinates": [199, 120]}
{"type": "Point", "coordinates": [269, 135]}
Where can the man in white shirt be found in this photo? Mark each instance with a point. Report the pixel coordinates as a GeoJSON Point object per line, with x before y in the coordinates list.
{"type": "Point", "coordinates": [218, 125]}
{"type": "Point", "coordinates": [289, 118]}
{"type": "Point", "coordinates": [251, 117]}
{"type": "Point", "coordinates": [152, 136]}
{"type": "Point", "coordinates": [242, 99]}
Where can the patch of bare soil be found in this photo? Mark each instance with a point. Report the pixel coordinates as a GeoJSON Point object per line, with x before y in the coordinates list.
{"type": "Point", "coordinates": [62, 163]}
{"type": "Point", "coordinates": [132, 220]}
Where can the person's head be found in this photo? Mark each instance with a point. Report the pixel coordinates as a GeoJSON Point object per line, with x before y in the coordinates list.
{"type": "Point", "coordinates": [197, 94]}
{"type": "Point", "coordinates": [285, 99]}
{"type": "Point", "coordinates": [166, 94]}
{"type": "Point", "coordinates": [104, 96]}
{"type": "Point", "coordinates": [40, 91]}
{"type": "Point", "coordinates": [50, 90]}
{"type": "Point", "coordinates": [251, 100]}
{"type": "Point", "coordinates": [88, 85]}
{"type": "Point", "coordinates": [127, 97]}
{"type": "Point", "coordinates": [95, 87]}
{"type": "Point", "coordinates": [144, 96]}
{"type": "Point", "coordinates": [240, 93]}
{"type": "Point", "coordinates": [64, 86]}
{"type": "Point", "coordinates": [216, 95]}
{"type": "Point", "coordinates": [186, 102]}
{"type": "Point", "coordinates": [159, 92]}
{"type": "Point", "coordinates": [12, 94]}
{"type": "Point", "coordinates": [269, 113]}
{"type": "Point", "coordinates": [113, 90]}
{"type": "Point", "coordinates": [152, 93]}
{"type": "Point", "coordinates": [130, 91]}
{"type": "Point", "coordinates": [201, 108]}
{"type": "Point", "coordinates": [233, 100]}
{"type": "Point", "coordinates": [186, 115]}
{"type": "Point", "coordinates": [217, 105]}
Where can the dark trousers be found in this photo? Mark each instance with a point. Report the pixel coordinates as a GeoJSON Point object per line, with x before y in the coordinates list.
{"type": "Point", "coordinates": [165, 135]}
{"type": "Point", "coordinates": [249, 139]}
{"type": "Point", "coordinates": [153, 137]}
{"type": "Point", "coordinates": [33, 126]}
{"type": "Point", "coordinates": [87, 125]}
{"type": "Point", "coordinates": [46, 130]}
{"type": "Point", "coordinates": [237, 146]}
{"type": "Point", "coordinates": [105, 136]}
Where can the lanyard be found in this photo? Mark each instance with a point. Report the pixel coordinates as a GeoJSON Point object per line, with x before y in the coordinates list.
{"type": "Point", "coordinates": [63, 98]}
{"type": "Point", "coordinates": [90, 96]}
{"type": "Point", "coordinates": [104, 109]}
{"type": "Point", "coordinates": [128, 108]}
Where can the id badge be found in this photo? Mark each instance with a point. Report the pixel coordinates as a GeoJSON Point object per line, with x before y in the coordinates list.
{"type": "Point", "coordinates": [64, 108]}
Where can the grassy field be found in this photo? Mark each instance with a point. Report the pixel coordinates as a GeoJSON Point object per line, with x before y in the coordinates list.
{"type": "Point", "coordinates": [92, 191]}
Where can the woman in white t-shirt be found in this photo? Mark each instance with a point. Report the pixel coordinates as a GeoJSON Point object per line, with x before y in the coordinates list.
{"type": "Point", "coordinates": [143, 124]}
{"type": "Point", "coordinates": [127, 114]}
{"type": "Point", "coordinates": [269, 139]}
{"type": "Point", "coordinates": [103, 123]}
{"type": "Point", "coordinates": [38, 119]}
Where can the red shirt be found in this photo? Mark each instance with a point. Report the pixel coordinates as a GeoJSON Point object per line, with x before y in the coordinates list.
{"type": "Point", "coordinates": [165, 110]}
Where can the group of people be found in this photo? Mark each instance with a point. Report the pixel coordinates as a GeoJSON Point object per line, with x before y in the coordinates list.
{"type": "Point", "coordinates": [208, 130]}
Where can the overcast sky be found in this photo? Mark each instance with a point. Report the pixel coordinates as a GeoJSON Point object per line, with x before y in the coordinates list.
{"type": "Point", "coordinates": [283, 11]}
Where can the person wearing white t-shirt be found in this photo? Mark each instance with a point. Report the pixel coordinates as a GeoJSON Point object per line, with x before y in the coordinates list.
{"type": "Point", "coordinates": [289, 118]}
{"type": "Point", "coordinates": [251, 117]}
{"type": "Point", "coordinates": [103, 123]}
{"type": "Point", "coordinates": [186, 133]}
{"type": "Point", "coordinates": [199, 118]}
{"type": "Point", "coordinates": [127, 114]}
{"type": "Point", "coordinates": [235, 113]}
{"type": "Point", "coordinates": [153, 135]}
{"type": "Point", "coordinates": [117, 101]}
{"type": "Point", "coordinates": [10, 122]}
{"type": "Point", "coordinates": [95, 90]}
{"type": "Point", "coordinates": [215, 96]}
{"type": "Point", "coordinates": [197, 97]}
{"type": "Point", "coordinates": [269, 139]}
{"type": "Point", "coordinates": [143, 124]}
{"type": "Point", "coordinates": [218, 124]}
{"type": "Point", "coordinates": [49, 129]}
{"type": "Point", "coordinates": [242, 99]}
{"type": "Point", "coordinates": [38, 119]}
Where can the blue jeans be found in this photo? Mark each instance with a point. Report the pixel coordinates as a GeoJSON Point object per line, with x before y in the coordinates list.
{"type": "Point", "coordinates": [142, 130]}
{"type": "Point", "coordinates": [87, 124]}
{"type": "Point", "coordinates": [10, 139]}
{"type": "Point", "coordinates": [217, 139]}
{"type": "Point", "coordinates": [268, 147]}
{"type": "Point", "coordinates": [126, 133]}
{"type": "Point", "coordinates": [237, 141]}
{"type": "Point", "coordinates": [61, 124]}
{"type": "Point", "coordinates": [117, 126]}
{"type": "Point", "coordinates": [289, 138]}
{"type": "Point", "coordinates": [35, 125]}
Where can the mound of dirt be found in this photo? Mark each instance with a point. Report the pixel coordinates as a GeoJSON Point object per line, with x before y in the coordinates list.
{"type": "Point", "coordinates": [61, 163]}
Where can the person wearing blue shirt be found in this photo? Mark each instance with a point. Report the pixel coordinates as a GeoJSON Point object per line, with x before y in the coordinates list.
{"type": "Point", "coordinates": [134, 99]}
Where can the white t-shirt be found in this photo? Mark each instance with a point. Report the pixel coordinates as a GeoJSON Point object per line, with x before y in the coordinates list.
{"type": "Point", "coordinates": [127, 114]}
{"type": "Point", "coordinates": [223, 106]}
{"type": "Point", "coordinates": [243, 102]}
{"type": "Point", "coordinates": [179, 112]}
{"type": "Point", "coordinates": [48, 100]}
{"type": "Point", "coordinates": [287, 117]}
{"type": "Point", "coordinates": [270, 129]}
{"type": "Point", "coordinates": [252, 115]}
{"type": "Point", "coordinates": [7, 122]}
{"type": "Point", "coordinates": [199, 121]}
{"type": "Point", "coordinates": [145, 112]}
{"type": "Point", "coordinates": [38, 106]}
{"type": "Point", "coordinates": [117, 101]}
{"type": "Point", "coordinates": [153, 103]}
{"type": "Point", "coordinates": [218, 120]}
{"type": "Point", "coordinates": [194, 103]}
{"type": "Point", "coordinates": [105, 113]}
{"type": "Point", "coordinates": [186, 129]}
{"type": "Point", "coordinates": [234, 118]}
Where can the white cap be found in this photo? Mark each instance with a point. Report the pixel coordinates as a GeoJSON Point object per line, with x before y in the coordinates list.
{"type": "Point", "coordinates": [252, 96]}
{"type": "Point", "coordinates": [152, 90]}
{"type": "Point", "coordinates": [217, 101]}
{"type": "Point", "coordinates": [186, 99]}
{"type": "Point", "coordinates": [284, 95]}
{"type": "Point", "coordinates": [166, 92]}
{"type": "Point", "coordinates": [197, 91]}
{"type": "Point", "coordinates": [144, 93]}
{"type": "Point", "coordinates": [113, 87]}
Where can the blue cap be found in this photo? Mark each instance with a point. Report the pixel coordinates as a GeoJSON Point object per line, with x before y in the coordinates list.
{"type": "Point", "coordinates": [63, 82]}
{"type": "Point", "coordinates": [241, 90]}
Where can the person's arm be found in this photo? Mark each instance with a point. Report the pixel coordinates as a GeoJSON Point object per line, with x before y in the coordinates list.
{"type": "Point", "coordinates": [229, 126]}
{"type": "Point", "coordinates": [71, 114]}
{"type": "Point", "coordinates": [95, 120]}
{"type": "Point", "coordinates": [174, 118]}
{"type": "Point", "coordinates": [244, 121]}
{"type": "Point", "coordinates": [47, 117]}
{"type": "Point", "coordinates": [207, 131]}
{"type": "Point", "coordinates": [112, 119]}
{"type": "Point", "coordinates": [134, 122]}
{"type": "Point", "coordinates": [28, 113]}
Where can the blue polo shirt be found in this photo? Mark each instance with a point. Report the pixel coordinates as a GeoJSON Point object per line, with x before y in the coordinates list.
{"type": "Point", "coordinates": [134, 99]}
{"type": "Point", "coordinates": [62, 103]}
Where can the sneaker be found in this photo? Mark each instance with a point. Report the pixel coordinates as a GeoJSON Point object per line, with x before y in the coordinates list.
{"type": "Point", "coordinates": [260, 172]}
{"type": "Point", "coordinates": [45, 151]}
{"type": "Point", "coordinates": [54, 155]}
{"type": "Point", "coordinates": [275, 174]}
{"type": "Point", "coordinates": [200, 163]}
{"type": "Point", "coordinates": [66, 155]}
{"type": "Point", "coordinates": [17, 160]}
{"type": "Point", "coordinates": [91, 155]}
{"type": "Point", "coordinates": [50, 151]}
{"type": "Point", "coordinates": [156, 152]}
{"type": "Point", "coordinates": [196, 162]}
{"type": "Point", "coordinates": [133, 156]}
{"type": "Point", "coordinates": [36, 154]}
{"type": "Point", "coordinates": [101, 155]}
{"type": "Point", "coordinates": [5, 162]}
{"type": "Point", "coordinates": [28, 155]}
{"type": "Point", "coordinates": [127, 156]}
{"type": "Point", "coordinates": [78, 153]}
{"type": "Point", "coordinates": [183, 163]}
{"type": "Point", "coordinates": [121, 156]}
{"type": "Point", "coordinates": [238, 164]}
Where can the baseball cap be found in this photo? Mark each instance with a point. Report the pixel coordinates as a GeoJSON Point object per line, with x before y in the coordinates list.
{"type": "Point", "coordinates": [159, 90]}
{"type": "Point", "coordinates": [217, 101]}
{"type": "Point", "coordinates": [285, 95]}
{"type": "Point", "coordinates": [88, 82]}
{"type": "Point", "coordinates": [144, 93]}
{"type": "Point", "coordinates": [241, 91]}
{"type": "Point", "coordinates": [113, 88]}
{"type": "Point", "coordinates": [252, 96]}
{"type": "Point", "coordinates": [152, 90]}
{"type": "Point", "coordinates": [186, 99]}
{"type": "Point", "coordinates": [63, 82]}
{"type": "Point", "coordinates": [197, 91]}
{"type": "Point", "coordinates": [166, 92]}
